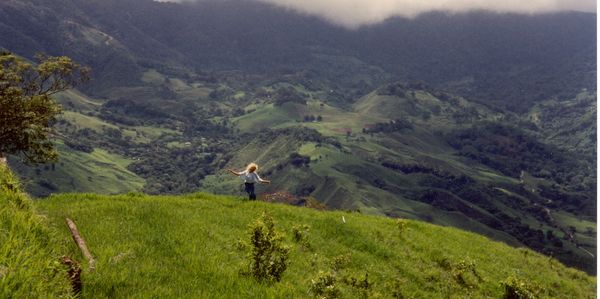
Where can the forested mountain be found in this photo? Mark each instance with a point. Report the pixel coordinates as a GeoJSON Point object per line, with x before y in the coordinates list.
{"type": "Point", "coordinates": [478, 120]}
{"type": "Point", "coordinates": [506, 59]}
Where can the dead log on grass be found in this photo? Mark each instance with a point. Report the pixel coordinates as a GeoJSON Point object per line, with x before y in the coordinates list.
{"type": "Point", "coordinates": [81, 243]}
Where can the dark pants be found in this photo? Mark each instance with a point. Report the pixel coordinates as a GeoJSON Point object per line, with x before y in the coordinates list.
{"type": "Point", "coordinates": [250, 190]}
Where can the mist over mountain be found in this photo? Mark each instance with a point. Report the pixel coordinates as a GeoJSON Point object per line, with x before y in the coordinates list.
{"type": "Point", "coordinates": [356, 13]}
{"type": "Point", "coordinates": [508, 59]}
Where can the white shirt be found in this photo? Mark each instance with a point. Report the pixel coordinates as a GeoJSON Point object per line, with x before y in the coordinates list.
{"type": "Point", "coordinates": [249, 177]}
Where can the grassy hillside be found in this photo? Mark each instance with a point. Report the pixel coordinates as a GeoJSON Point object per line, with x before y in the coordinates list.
{"type": "Point", "coordinates": [191, 246]}
{"type": "Point", "coordinates": [99, 171]}
{"type": "Point", "coordinates": [29, 251]}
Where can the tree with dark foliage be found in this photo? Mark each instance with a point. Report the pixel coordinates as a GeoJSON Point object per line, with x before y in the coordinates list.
{"type": "Point", "coordinates": [27, 109]}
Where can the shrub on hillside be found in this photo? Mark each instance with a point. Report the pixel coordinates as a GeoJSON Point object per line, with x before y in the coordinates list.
{"type": "Point", "coordinates": [341, 261]}
{"type": "Point", "coordinates": [360, 284]}
{"type": "Point", "coordinates": [515, 288]}
{"type": "Point", "coordinates": [324, 285]}
{"type": "Point", "coordinates": [402, 226]}
{"type": "Point", "coordinates": [298, 160]}
{"type": "Point", "coordinates": [300, 235]}
{"type": "Point", "coordinates": [268, 256]}
{"type": "Point", "coordinates": [465, 273]}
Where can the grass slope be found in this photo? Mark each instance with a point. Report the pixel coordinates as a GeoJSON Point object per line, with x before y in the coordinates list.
{"type": "Point", "coordinates": [29, 252]}
{"type": "Point", "coordinates": [188, 247]}
{"type": "Point", "coordinates": [98, 171]}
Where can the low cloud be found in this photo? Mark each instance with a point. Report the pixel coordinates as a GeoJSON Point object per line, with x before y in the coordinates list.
{"type": "Point", "coordinates": [354, 13]}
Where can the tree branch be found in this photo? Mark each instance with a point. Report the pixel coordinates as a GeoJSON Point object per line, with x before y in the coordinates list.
{"type": "Point", "coordinates": [81, 243]}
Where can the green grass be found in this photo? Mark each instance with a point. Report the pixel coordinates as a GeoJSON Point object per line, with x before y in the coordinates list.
{"type": "Point", "coordinates": [268, 116]}
{"type": "Point", "coordinates": [73, 99]}
{"type": "Point", "coordinates": [29, 250]}
{"type": "Point", "coordinates": [152, 76]}
{"type": "Point", "coordinates": [187, 247]}
{"type": "Point", "coordinates": [138, 134]}
{"type": "Point", "coordinates": [82, 121]}
{"type": "Point", "coordinates": [98, 171]}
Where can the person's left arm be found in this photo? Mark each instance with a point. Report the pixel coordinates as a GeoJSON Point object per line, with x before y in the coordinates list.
{"type": "Point", "coordinates": [262, 181]}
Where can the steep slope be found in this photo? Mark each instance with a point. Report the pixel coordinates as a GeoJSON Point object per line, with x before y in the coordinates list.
{"type": "Point", "coordinates": [29, 252]}
{"type": "Point", "coordinates": [191, 246]}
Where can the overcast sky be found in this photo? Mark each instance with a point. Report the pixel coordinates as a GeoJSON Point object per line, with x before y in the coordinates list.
{"type": "Point", "coordinates": [354, 13]}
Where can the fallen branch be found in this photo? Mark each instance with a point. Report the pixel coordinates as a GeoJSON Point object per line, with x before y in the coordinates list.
{"type": "Point", "coordinates": [81, 243]}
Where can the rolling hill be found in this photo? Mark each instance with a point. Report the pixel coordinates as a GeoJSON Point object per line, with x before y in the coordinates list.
{"type": "Point", "coordinates": [414, 156]}
{"type": "Point", "coordinates": [193, 245]}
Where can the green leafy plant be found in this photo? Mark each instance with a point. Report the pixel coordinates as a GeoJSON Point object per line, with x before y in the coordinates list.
{"type": "Point", "coordinates": [324, 285]}
{"type": "Point", "coordinates": [300, 235]}
{"type": "Point", "coordinates": [465, 273]}
{"type": "Point", "coordinates": [516, 288]}
{"type": "Point", "coordinates": [341, 261]}
{"type": "Point", "coordinates": [396, 288]}
{"type": "Point", "coordinates": [361, 284]}
{"type": "Point", "coordinates": [402, 226]}
{"type": "Point", "coordinates": [28, 109]}
{"type": "Point", "coordinates": [268, 256]}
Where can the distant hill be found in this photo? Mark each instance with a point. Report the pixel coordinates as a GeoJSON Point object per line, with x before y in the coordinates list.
{"type": "Point", "coordinates": [506, 59]}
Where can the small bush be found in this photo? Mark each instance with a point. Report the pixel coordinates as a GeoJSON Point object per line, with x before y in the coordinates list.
{"type": "Point", "coordinates": [341, 261]}
{"type": "Point", "coordinates": [465, 273]}
{"type": "Point", "coordinates": [402, 226]}
{"type": "Point", "coordinates": [361, 284]}
{"type": "Point", "coordinates": [324, 285]}
{"type": "Point", "coordinates": [300, 235]}
{"type": "Point", "coordinates": [268, 256]}
{"type": "Point", "coordinates": [515, 288]}
{"type": "Point", "coordinates": [396, 289]}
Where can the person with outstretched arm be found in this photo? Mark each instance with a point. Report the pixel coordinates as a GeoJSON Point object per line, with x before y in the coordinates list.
{"type": "Point", "coordinates": [250, 178]}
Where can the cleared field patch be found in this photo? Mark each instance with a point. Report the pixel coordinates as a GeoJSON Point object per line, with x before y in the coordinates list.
{"type": "Point", "coordinates": [98, 171]}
